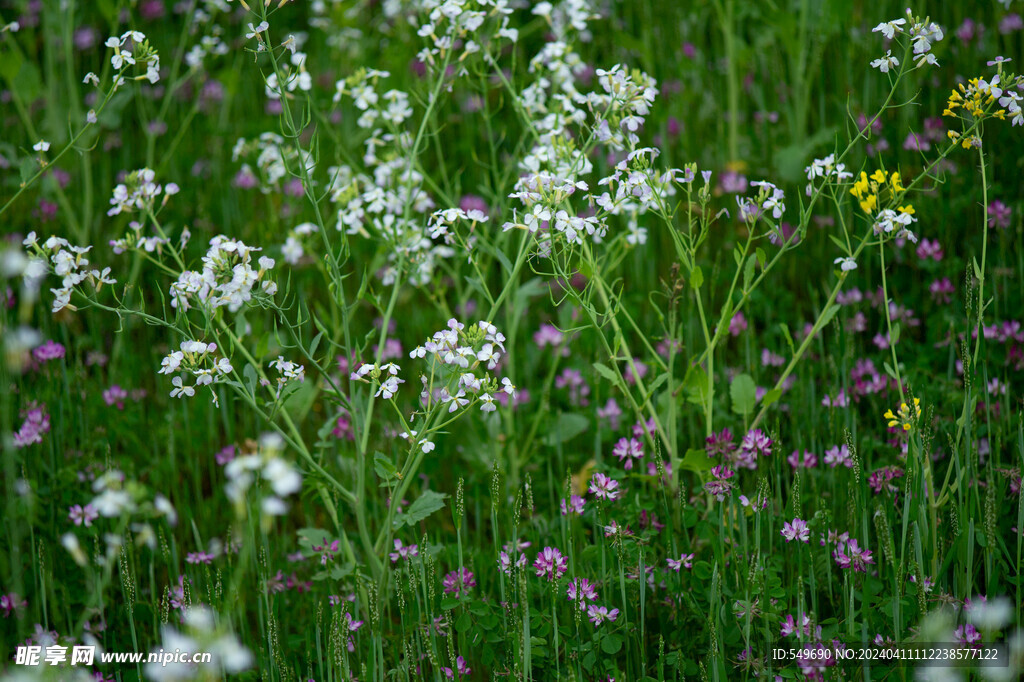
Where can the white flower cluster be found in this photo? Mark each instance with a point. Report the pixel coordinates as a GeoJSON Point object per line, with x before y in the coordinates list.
{"type": "Point", "coordinates": [294, 74]}
{"type": "Point", "coordinates": [227, 654]}
{"type": "Point", "coordinates": [198, 359]}
{"type": "Point", "coordinates": [924, 35]}
{"type": "Point", "coordinates": [895, 222]}
{"type": "Point", "coordinates": [293, 248]}
{"type": "Point", "coordinates": [282, 477]}
{"type": "Point", "coordinates": [769, 198]}
{"type": "Point", "coordinates": [389, 386]}
{"type": "Point", "coordinates": [272, 158]}
{"type": "Point", "coordinates": [1008, 99]}
{"type": "Point", "coordinates": [134, 239]}
{"type": "Point", "coordinates": [111, 498]}
{"type": "Point", "coordinates": [212, 42]}
{"type": "Point", "coordinates": [566, 15]}
{"type": "Point", "coordinates": [391, 107]}
{"type": "Point", "coordinates": [123, 57]}
{"type": "Point", "coordinates": [288, 371]}
{"type": "Point", "coordinates": [826, 169]}
{"type": "Point", "coordinates": [440, 221]}
{"type": "Point", "coordinates": [611, 117]}
{"type": "Point", "coordinates": [139, 192]}
{"type": "Point", "coordinates": [375, 206]}
{"type": "Point", "coordinates": [465, 353]}
{"type": "Point", "coordinates": [209, 45]}
{"type": "Point", "coordinates": [636, 188]}
{"type": "Point", "coordinates": [227, 278]}
{"type": "Point", "coordinates": [456, 24]}
{"type": "Point", "coordinates": [68, 262]}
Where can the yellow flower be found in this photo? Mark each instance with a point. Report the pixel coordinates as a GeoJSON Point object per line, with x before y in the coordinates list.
{"type": "Point", "coordinates": [897, 184]}
{"type": "Point", "coordinates": [909, 209]}
{"type": "Point", "coordinates": [870, 203]}
{"type": "Point", "coordinates": [904, 417]}
{"type": "Point", "coordinates": [860, 186]}
{"type": "Point", "coordinates": [879, 176]}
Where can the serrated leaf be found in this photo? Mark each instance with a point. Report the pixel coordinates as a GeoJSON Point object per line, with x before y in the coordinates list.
{"type": "Point", "coordinates": [425, 505]}
{"type": "Point", "coordinates": [743, 392]}
{"type": "Point", "coordinates": [384, 468]}
{"type": "Point", "coordinates": [341, 572]}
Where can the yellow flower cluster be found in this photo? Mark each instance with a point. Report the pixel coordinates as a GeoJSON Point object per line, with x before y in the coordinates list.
{"type": "Point", "coordinates": [866, 189]}
{"type": "Point", "coordinates": [974, 98]}
{"type": "Point", "coordinates": [966, 141]}
{"type": "Point", "coordinates": [904, 417]}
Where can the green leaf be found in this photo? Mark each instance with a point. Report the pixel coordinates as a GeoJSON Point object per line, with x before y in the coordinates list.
{"type": "Point", "coordinates": [790, 161]}
{"type": "Point", "coordinates": [316, 342]}
{"type": "Point", "coordinates": [607, 372]}
{"type": "Point", "coordinates": [611, 644]}
{"type": "Point", "coordinates": [384, 468]}
{"type": "Point", "coordinates": [829, 314]}
{"type": "Point", "coordinates": [696, 278]}
{"type": "Point", "coordinates": [697, 460]}
{"type": "Point", "coordinates": [656, 384]}
{"type": "Point", "coordinates": [567, 426]}
{"type": "Point", "coordinates": [748, 272]}
{"type": "Point", "coordinates": [840, 243]}
{"type": "Point", "coordinates": [10, 65]}
{"type": "Point", "coordinates": [743, 392]}
{"type": "Point", "coordinates": [786, 335]}
{"type": "Point", "coordinates": [312, 536]}
{"type": "Point", "coordinates": [702, 570]}
{"type": "Point", "coordinates": [463, 623]}
{"type": "Point", "coordinates": [771, 397]}
{"type": "Point", "coordinates": [696, 385]}
{"type": "Point", "coordinates": [425, 505]}
{"type": "Point", "coordinates": [762, 257]}
{"type": "Point", "coordinates": [250, 378]}
{"type": "Point", "coordinates": [894, 339]}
